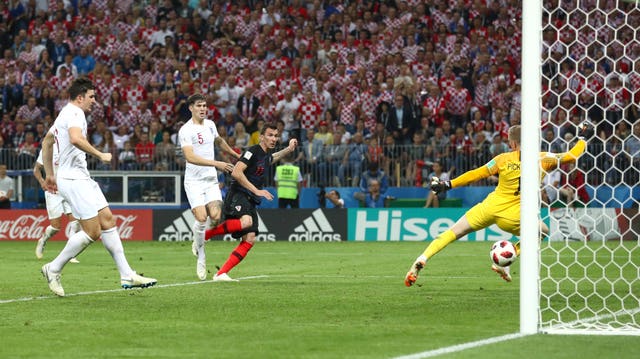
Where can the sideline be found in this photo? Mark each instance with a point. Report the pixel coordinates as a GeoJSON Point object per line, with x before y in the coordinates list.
{"type": "Point", "coordinates": [461, 347]}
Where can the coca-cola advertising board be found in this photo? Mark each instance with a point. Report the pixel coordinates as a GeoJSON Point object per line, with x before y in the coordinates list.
{"type": "Point", "coordinates": [29, 225]}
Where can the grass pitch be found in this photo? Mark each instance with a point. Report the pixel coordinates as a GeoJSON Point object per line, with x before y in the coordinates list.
{"type": "Point", "coordinates": [294, 300]}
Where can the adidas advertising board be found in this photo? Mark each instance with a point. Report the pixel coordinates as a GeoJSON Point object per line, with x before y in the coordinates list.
{"type": "Point", "coordinates": [294, 225]}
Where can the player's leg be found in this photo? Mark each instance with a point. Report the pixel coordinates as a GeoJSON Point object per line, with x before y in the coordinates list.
{"type": "Point", "coordinates": [54, 203]}
{"type": "Point", "coordinates": [236, 204]}
{"type": "Point", "coordinates": [508, 221]}
{"type": "Point", "coordinates": [113, 244]}
{"type": "Point", "coordinates": [74, 226]}
{"type": "Point", "coordinates": [475, 218]}
{"type": "Point", "coordinates": [197, 246]}
{"type": "Point", "coordinates": [248, 234]}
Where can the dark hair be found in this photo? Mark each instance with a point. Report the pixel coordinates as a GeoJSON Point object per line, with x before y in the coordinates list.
{"type": "Point", "coordinates": [79, 87]}
{"type": "Point", "coordinates": [269, 125]}
{"type": "Point", "coordinates": [195, 98]}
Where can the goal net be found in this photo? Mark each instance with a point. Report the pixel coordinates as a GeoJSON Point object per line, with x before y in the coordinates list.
{"type": "Point", "coordinates": [590, 264]}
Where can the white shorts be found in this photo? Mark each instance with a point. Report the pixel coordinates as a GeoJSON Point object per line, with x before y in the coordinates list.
{"type": "Point", "coordinates": [201, 192]}
{"type": "Point", "coordinates": [56, 205]}
{"type": "Point", "coordinates": [83, 195]}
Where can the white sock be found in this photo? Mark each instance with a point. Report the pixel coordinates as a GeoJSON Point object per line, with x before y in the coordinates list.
{"type": "Point", "coordinates": [49, 232]}
{"type": "Point", "coordinates": [75, 227]}
{"type": "Point", "coordinates": [198, 237]}
{"type": "Point", "coordinates": [75, 245]}
{"type": "Point", "coordinates": [113, 244]}
{"type": "Point", "coordinates": [422, 258]}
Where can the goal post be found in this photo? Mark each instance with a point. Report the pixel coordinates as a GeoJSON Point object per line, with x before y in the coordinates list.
{"type": "Point", "coordinates": [530, 175]}
{"type": "Point", "coordinates": [585, 277]}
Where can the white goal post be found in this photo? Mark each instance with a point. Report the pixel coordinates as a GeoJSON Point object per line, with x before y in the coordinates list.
{"type": "Point", "coordinates": [585, 277]}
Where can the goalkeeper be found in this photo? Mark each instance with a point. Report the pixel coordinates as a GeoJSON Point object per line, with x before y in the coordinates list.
{"type": "Point", "coordinates": [502, 206]}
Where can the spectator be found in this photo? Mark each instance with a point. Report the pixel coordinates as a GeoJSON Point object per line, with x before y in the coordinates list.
{"type": "Point", "coordinates": [30, 112]}
{"type": "Point", "coordinates": [373, 198]}
{"type": "Point", "coordinates": [573, 188]}
{"type": "Point", "coordinates": [433, 199]}
{"type": "Point", "coordinates": [551, 187]}
{"type": "Point", "coordinates": [351, 167]}
{"type": "Point", "coordinates": [6, 188]}
{"type": "Point", "coordinates": [311, 152]}
{"type": "Point", "coordinates": [144, 152]}
{"type": "Point", "coordinates": [127, 158]}
{"type": "Point", "coordinates": [372, 174]}
{"type": "Point", "coordinates": [165, 154]}
{"type": "Point", "coordinates": [241, 136]}
{"type": "Point", "coordinates": [84, 62]}
{"type": "Point", "coordinates": [106, 145]}
{"type": "Point", "coordinates": [334, 197]}
{"type": "Point", "coordinates": [632, 151]}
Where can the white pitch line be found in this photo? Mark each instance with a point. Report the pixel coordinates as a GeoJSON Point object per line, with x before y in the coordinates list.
{"type": "Point", "coordinates": [29, 299]}
{"type": "Point", "coordinates": [306, 276]}
{"type": "Point", "coordinates": [461, 347]}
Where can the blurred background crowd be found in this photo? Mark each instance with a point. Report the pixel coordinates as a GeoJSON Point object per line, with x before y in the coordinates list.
{"type": "Point", "coordinates": [404, 84]}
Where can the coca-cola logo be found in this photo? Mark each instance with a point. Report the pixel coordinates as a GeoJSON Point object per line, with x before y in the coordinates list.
{"type": "Point", "coordinates": [27, 226]}
{"type": "Point", "coordinates": [125, 225]}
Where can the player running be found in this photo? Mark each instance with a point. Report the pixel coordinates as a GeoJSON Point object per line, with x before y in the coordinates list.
{"type": "Point", "coordinates": [83, 194]}
{"type": "Point", "coordinates": [245, 194]}
{"type": "Point", "coordinates": [197, 139]}
{"type": "Point", "coordinates": [502, 206]}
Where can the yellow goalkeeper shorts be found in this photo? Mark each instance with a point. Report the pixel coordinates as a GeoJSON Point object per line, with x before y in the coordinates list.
{"type": "Point", "coordinates": [486, 213]}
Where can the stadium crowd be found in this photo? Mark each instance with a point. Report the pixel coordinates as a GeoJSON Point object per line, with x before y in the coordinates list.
{"type": "Point", "coordinates": [404, 83]}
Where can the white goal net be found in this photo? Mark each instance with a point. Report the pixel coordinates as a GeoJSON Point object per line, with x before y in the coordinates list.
{"type": "Point", "coordinates": [590, 264]}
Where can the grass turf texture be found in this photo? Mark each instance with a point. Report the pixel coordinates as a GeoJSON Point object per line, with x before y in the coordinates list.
{"type": "Point", "coordinates": [315, 300]}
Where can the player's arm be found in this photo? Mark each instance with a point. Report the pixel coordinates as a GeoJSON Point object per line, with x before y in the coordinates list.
{"type": "Point", "coordinates": [290, 148]}
{"type": "Point", "coordinates": [194, 159]}
{"type": "Point", "coordinates": [550, 161]}
{"type": "Point", "coordinates": [438, 186]}
{"type": "Point", "coordinates": [37, 173]}
{"type": "Point", "coordinates": [47, 161]}
{"type": "Point", "coordinates": [222, 143]}
{"type": "Point", "coordinates": [239, 176]}
{"type": "Point", "coordinates": [77, 139]}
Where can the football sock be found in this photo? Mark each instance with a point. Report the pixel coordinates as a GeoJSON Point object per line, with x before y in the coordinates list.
{"type": "Point", "coordinates": [198, 237]}
{"type": "Point", "coordinates": [228, 226]}
{"type": "Point", "coordinates": [75, 245]}
{"type": "Point", "coordinates": [75, 227]}
{"type": "Point", "coordinates": [113, 244]}
{"type": "Point", "coordinates": [517, 245]}
{"type": "Point", "coordinates": [439, 243]}
{"type": "Point", "coordinates": [236, 256]}
{"type": "Point", "coordinates": [49, 232]}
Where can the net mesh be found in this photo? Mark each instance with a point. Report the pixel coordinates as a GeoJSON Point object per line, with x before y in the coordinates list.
{"type": "Point", "coordinates": [590, 264]}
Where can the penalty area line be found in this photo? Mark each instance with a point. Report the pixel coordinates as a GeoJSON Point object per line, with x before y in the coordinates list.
{"type": "Point", "coordinates": [29, 299]}
{"type": "Point", "coordinates": [461, 347]}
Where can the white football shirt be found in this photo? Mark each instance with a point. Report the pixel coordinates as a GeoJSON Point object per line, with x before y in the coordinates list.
{"type": "Point", "coordinates": [201, 138]}
{"type": "Point", "coordinates": [72, 161]}
{"type": "Point", "coordinates": [55, 159]}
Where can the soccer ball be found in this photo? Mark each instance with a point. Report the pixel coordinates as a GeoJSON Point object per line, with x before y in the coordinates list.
{"type": "Point", "coordinates": [503, 253]}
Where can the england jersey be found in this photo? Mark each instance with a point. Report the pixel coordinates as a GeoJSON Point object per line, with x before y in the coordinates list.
{"type": "Point", "coordinates": [55, 159]}
{"type": "Point", "coordinates": [72, 161]}
{"type": "Point", "coordinates": [201, 138]}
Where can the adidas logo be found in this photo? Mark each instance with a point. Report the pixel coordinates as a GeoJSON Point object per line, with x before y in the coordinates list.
{"type": "Point", "coordinates": [262, 236]}
{"type": "Point", "coordinates": [315, 228]}
{"type": "Point", "coordinates": [180, 229]}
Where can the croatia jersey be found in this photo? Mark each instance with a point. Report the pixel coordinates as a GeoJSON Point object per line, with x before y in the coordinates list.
{"type": "Point", "coordinates": [201, 138]}
{"type": "Point", "coordinates": [72, 161]}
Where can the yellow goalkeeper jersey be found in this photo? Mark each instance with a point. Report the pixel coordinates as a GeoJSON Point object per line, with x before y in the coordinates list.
{"type": "Point", "coordinates": [507, 167]}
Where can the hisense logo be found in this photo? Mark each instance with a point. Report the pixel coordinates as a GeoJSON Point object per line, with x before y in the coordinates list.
{"type": "Point", "coordinates": [315, 228]}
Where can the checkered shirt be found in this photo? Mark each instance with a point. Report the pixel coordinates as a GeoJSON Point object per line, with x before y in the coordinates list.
{"type": "Point", "coordinates": [348, 112]}
{"type": "Point", "coordinates": [309, 114]}
{"type": "Point", "coordinates": [32, 115]}
{"type": "Point", "coordinates": [163, 110]}
{"type": "Point", "coordinates": [457, 100]}
{"type": "Point", "coordinates": [134, 95]}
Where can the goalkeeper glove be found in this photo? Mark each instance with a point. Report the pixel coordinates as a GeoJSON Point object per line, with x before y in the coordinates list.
{"type": "Point", "coordinates": [438, 186]}
{"type": "Point", "coordinates": [585, 130]}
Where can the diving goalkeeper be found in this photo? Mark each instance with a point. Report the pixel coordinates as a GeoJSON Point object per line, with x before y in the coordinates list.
{"type": "Point", "coordinates": [502, 206]}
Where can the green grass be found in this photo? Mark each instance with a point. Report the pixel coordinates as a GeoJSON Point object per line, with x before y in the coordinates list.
{"type": "Point", "coordinates": [313, 300]}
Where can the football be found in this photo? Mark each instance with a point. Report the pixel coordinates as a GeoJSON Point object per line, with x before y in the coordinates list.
{"type": "Point", "coordinates": [503, 253]}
